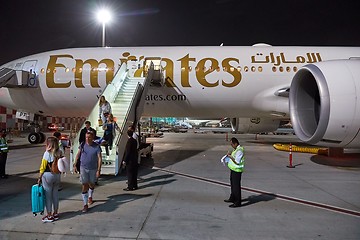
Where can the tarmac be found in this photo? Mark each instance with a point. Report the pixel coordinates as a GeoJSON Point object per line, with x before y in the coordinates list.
{"type": "Point", "coordinates": [181, 195]}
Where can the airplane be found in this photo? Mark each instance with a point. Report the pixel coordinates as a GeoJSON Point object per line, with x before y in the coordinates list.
{"type": "Point", "coordinates": [190, 123]}
{"type": "Point", "coordinates": [257, 86]}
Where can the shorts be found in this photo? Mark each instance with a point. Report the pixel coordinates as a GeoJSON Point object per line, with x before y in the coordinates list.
{"type": "Point", "coordinates": [87, 176]}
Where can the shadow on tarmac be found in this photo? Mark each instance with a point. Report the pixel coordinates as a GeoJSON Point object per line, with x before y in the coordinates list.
{"type": "Point", "coordinates": [256, 199]}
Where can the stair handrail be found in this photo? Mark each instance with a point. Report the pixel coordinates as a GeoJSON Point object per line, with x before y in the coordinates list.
{"type": "Point", "coordinates": [126, 118]}
{"type": "Point", "coordinates": [139, 88]}
{"type": "Point", "coordinates": [94, 113]}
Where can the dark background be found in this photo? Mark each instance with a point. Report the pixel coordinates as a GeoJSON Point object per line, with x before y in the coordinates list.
{"type": "Point", "coordinates": [33, 26]}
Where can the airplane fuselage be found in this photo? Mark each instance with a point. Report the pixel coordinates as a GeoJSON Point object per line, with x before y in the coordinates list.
{"type": "Point", "coordinates": [200, 81]}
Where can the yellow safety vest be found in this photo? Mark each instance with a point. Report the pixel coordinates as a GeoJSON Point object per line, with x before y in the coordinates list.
{"type": "Point", "coordinates": [237, 167]}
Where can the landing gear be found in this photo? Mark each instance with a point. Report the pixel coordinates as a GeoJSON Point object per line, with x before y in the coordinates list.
{"type": "Point", "coordinates": [36, 137]}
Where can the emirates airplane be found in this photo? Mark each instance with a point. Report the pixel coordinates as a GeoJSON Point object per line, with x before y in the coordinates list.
{"type": "Point", "coordinates": [318, 88]}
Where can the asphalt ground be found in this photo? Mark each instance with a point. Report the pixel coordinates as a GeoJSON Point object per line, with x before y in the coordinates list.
{"type": "Point", "coordinates": [181, 195]}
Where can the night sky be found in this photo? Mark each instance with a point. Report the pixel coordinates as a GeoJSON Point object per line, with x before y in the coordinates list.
{"type": "Point", "coordinates": [33, 26]}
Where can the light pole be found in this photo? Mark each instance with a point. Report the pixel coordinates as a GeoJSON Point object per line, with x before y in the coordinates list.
{"type": "Point", "coordinates": [104, 17]}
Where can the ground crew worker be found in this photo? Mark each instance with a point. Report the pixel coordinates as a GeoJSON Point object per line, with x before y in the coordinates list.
{"type": "Point", "coordinates": [4, 149]}
{"type": "Point", "coordinates": [236, 165]}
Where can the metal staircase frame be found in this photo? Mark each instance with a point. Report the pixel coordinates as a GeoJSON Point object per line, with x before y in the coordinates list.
{"type": "Point", "coordinates": [132, 116]}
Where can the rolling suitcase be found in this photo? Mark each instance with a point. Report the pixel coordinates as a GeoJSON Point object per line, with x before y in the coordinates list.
{"type": "Point", "coordinates": [37, 199]}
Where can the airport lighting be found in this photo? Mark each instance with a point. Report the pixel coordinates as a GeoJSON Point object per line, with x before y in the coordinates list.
{"type": "Point", "coordinates": [103, 17]}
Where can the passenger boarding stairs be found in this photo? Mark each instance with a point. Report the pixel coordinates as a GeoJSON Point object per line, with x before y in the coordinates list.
{"type": "Point", "coordinates": [20, 76]}
{"type": "Point", "coordinates": [126, 95]}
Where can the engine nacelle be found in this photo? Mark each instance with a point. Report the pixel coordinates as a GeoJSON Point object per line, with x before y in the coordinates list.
{"type": "Point", "coordinates": [254, 125]}
{"type": "Point", "coordinates": [325, 103]}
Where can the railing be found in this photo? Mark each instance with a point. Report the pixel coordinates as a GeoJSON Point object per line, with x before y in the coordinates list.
{"type": "Point", "coordinates": [137, 101]}
{"type": "Point", "coordinates": [110, 93]}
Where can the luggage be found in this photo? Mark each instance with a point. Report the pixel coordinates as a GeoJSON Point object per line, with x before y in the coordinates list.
{"type": "Point", "coordinates": [37, 199]}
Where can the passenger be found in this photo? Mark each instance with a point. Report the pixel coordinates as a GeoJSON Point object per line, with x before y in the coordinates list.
{"type": "Point", "coordinates": [50, 180]}
{"type": "Point", "coordinates": [104, 109]}
{"type": "Point", "coordinates": [236, 165]}
{"type": "Point", "coordinates": [85, 130]}
{"type": "Point", "coordinates": [4, 149]}
{"type": "Point", "coordinates": [62, 150]}
{"type": "Point", "coordinates": [61, 146]}
{"type": "Point", "coordinates": [110, 127]}
{"type": "Point", "coordinates": [130, 161]}
{"type": "Point", "coordinates": [90, 168]}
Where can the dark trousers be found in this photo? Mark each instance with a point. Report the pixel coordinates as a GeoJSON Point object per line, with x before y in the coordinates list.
{"type": "Point", "coordinates": [235, 181]}
{"type": "Point", "coordinates": [109, 139]}
{"type": "Point", "coordinates": [3, 157]}
{"type": "Point", "coordinates": [132, 172]}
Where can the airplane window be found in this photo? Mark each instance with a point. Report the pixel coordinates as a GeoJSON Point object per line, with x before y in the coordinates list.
{"type": "Point", "coordinates": [42, 70]}
{"type": "Point", "coordinates": [281, 69]}
{"type": "Point", "coordinates": [54, 71]}
{"type": "Point", "coordinates": [232, 69]}
{"type": "Point", "coordinates": [239, 69]}
{"type": "Point", "coordinates": [190, 68]}
{"type": "Point", "coordinates": [288, 69]}
{"type": "Point", "coordinates": [274, 69]}
{"type": "Point", "coordinates": [295, 69]}
{"type": "Point", "coordinates": [246, 69]}
{"type": "Point", "coordinates": [80, 70]}
{"type": "Point", "coordinates": [218, 69]}
{"type": "Point", "coordinates": [260, 69]}
{"type": "Point", "coordinates": [74, 70]}
{"type": "Point", "coordinates": [224, 69]}
{"type": "Point", "coordinates": [183, 69]}
{"type": "Point", "coordinates": [48, 71]}
{"type": "Point", "coordinates": [253, 69]}
{"type": "Point", "coordinates": [67, 70]}
{"type": "Point", "coordinates": [197, 69]}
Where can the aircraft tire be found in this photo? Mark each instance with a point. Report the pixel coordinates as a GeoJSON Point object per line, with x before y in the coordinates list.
{"type": "Point", "coordinates": [34, 138]}
{"type": "Point", "coordinates": [42, 137]}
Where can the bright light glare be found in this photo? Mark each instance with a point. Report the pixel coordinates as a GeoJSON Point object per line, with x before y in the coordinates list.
{"type": "Point", "coordinates": [103, 16]}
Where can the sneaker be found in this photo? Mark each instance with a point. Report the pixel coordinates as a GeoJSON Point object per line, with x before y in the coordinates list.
{"type": "Point", "coordinates": [85, 209]}
{"type": "Point", "coordinates": [56, 216]}
{"type": "Point", "coordinates": [47, 219]}
{"type": "Point", "coordinates": [90, 201]}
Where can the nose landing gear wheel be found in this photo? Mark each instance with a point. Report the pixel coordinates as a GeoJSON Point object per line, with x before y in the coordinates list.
{"type": "Point", "coordinates": [34, 138]}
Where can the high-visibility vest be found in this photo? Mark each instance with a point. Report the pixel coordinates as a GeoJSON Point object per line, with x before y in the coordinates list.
{"type": "Point", "coordinates": [3, 145]}
{"type": "Point", "coordinates": [237, 167]}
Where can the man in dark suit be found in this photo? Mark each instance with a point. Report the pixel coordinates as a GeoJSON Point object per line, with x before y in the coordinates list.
{"type": "Point", "coordinates": [86, 129]}
{"type": "Point", "coordinates": [131, 162]}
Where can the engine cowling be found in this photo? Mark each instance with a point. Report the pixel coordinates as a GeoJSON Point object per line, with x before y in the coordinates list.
{"type": "Point", "coordinates": [325, 103]}
{"type": "Point", "coordinates": [254, 125]}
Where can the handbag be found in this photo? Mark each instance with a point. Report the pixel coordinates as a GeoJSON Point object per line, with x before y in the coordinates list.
{"type": "Point", "coordinates": [100, 122]}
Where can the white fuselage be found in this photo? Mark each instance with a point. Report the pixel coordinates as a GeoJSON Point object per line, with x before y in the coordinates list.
{"type": "Point", "coordinates": [201, 81]}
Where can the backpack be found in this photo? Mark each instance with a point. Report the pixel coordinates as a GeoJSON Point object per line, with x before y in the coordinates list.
{"type": "Point", "coordinates": [78, 162]}
{"type": "Point", "coordinates": [54, 166]}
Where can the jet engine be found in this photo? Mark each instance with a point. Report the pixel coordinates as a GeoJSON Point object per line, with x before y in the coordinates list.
{"type": "Point", "coordinates": [325, 103]}
{"type": "Point", "coordinates": [254, 125]}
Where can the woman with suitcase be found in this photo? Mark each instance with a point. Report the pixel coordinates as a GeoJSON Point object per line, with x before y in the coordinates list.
{"type": "Point", "coordinates": [50, 179]}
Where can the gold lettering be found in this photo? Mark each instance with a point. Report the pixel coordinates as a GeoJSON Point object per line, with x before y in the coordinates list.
{"type": "Point", "coordinates": [201, 74]}
{"type": "Point", "coordinates": [50, 73]}
{"type": "Point", "coordinates": [94, 64]}
{"type": "Point", "coordinates": [169, 72]}
{"type": "Point", "coordinates": [185, 74]}
{"type": "Point", "coordinates": [236, 74]}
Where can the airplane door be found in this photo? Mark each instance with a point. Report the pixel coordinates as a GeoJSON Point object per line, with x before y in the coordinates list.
{"type": "Point", "coordinates": [29, 65]}
{"type": "Point", "coordinates": [29, 75]}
